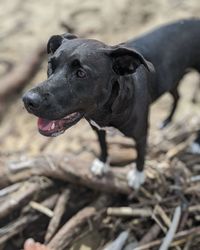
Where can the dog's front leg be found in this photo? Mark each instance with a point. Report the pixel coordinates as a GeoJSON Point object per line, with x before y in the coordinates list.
{"type": "Point", "coordinates": [100, 165]}
{"type": "Point", "coordinates": [136, 176]}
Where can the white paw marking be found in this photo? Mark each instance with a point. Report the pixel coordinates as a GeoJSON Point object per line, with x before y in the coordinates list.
{"type": "Point", "coordinates": [194, 148]}
{"type": "Point", "coordinates": [135, 178]}
{"type": "Point", "coordinates": [99, 168]}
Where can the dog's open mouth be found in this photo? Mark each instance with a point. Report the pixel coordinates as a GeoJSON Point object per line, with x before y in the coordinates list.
{"type": "Point", "coordinates": [57, 127]}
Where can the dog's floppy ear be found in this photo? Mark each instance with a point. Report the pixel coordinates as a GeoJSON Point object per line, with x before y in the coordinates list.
{"type": "Point", "coordinates": [55, 41]}
{"type": "Point", "coordinates": [126, 60]}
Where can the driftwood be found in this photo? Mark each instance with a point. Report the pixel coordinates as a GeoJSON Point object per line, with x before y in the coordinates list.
{"type": "Point", "coordinates": [172, 230]}
{"type": "Point", "coordinates": [22, 196]}
{"type": "Point", "coordinates": [181, 235]}
{"type": "Point", "coordinates": [73, 227]}
{"type": "Point", "coordinates": [119, 242]}
{"type": "Point", "coordinates": [150, 235]}
{"type": "Point", "coordinates": [148, 215]}
{"type": "Point", "coordinates": [66, 169]}
{"type": "Point", "coordinates": [57, 215]}
{"type": "Point", "coordinates": [23, 221]}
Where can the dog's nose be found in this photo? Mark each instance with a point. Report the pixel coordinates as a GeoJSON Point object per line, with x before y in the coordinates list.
{"type": "Point", "coordinates": [32, 100]}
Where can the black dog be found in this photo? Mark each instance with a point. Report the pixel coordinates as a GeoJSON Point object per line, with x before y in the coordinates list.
{"type": "Point", "coordinates": [114, 85]}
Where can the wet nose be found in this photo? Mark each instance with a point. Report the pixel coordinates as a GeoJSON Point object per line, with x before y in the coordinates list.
{"type": "Point", "coordinates": [32, 100]}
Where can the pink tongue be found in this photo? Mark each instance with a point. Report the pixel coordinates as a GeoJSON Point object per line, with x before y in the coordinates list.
{"type": "Point", "coordinates": [44, 124]}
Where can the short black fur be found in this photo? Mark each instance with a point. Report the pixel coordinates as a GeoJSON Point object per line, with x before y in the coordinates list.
{"type": "Point", "coordinates": [120, 82]}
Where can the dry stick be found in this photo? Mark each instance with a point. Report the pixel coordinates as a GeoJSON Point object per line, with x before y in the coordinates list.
{"type": "Point", "coordinates": [73, 227]}
{"type": "Point", "coordinates": [172, 230]}
{"type": "Point", "coordinates": [22, 222]}
{"type": "Point", "coordinates": [188, 244]}
{"type": "Point", "coordinates": [128, 211]}
{"type": "Point", "coordinates": [58, 213]}
{"type": "Point", "coordinates": [10, 189]}
{"type": "Point", "coordinates": [66, 169]}
{"type": "Point", "coordinates": [179, 148]}
{"type": "Point", "coordinates": [158, 209]}
{"type": "Point", "coordinates": [150, 235]}
{"type": "Point", "coordinates": [118, 243]}
{"type": "Point", "coordinates": [181, 235]}
{"type": "Point", "coordinates": [21, 74]}
{"type": "Point", "coordinates": [22, 196]}
{"type": "Point", "coordinates": [40, 208]}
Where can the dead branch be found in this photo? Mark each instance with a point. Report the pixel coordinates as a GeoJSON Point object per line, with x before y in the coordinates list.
{"type": "Point", "coordinates": [22, 196]}
{"type": "Point", "coordinates": [73, 227]}
{"type": "Point", "coordinates": [58, 213]}
{"type": "Point", "coordinates": [10, 189]}
{"type": "Point", "coordinates": [40, 208]}
{"type": "Point", "coordinates": [150, 235]}
{"type": "Point", "coordinates": [172, 230]}
{"type": "Point", "coordinates": [22, 222]}
{"type": "Point", "coordinates": [128, 211]}
{"type": "Point", "coordinates": [119, 242]}
{"type": "Point", "coordinates": [183, 235]}
{"type": "Point", "coordinates": [67, 169]}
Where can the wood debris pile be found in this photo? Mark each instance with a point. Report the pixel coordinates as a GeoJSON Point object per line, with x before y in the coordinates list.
{"type": "Point", "coordinates": [56, 200]}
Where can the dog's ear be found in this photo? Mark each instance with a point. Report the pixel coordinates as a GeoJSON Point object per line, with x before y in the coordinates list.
{"type": "Point", "coordinates": [126, 60]}
{"type": "Point", "coordinates": [55, 41]}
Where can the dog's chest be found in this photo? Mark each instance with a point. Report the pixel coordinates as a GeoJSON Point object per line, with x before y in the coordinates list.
{"type": "Point", "coordinates": [109, 130]}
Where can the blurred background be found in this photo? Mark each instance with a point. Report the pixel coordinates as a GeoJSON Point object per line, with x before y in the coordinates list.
{"type": "Point", "coordinates": [26, 25]}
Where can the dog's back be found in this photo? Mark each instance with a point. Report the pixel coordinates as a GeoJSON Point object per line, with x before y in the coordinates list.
{"type": "Point", "coordinates": [172, 49]}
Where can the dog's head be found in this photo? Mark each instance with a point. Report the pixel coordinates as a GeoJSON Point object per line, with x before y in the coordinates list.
{"type": "Point", "coordinates": [80, 76]}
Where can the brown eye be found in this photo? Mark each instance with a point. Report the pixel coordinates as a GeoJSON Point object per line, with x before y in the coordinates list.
{"type": "Point", "coordinates": [80, 73]}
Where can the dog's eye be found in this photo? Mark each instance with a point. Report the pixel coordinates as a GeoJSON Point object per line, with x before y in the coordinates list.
{"type": "Point", "coordinates": [80, 73]}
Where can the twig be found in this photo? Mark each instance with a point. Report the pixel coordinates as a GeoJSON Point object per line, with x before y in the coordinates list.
{"type": "Point", "coordinates": [172, 230]}
{"type": "Point", "coordinates": [180, 235]}
{"type": "Point", "coordinates": [74, 226]}
{"type": "Point", "coordinates": [163, 215]}
{"type": "Point", "coordinates": [119, 242]}
{"type": "Point", "coordinates": [178, 148]}
{"type": "Point", "coordinates": [40, 208]}
{"type": "Point", "coordinates": [150, 235]}
{"type": "Point", "coordinates": [22, 222]}
{"type": "Point", "coordinates": [57, 215]}
{"type": "Point", "coordinates": [22, 196]}
{"type": "Point", "coordinates": [188, 244]}
{"type": "Point", "coordinates": [195, 178]}
{"type": "Point", "coordinates": [10, 189]}
{"type": "Point", "coordinates": [128, 211]}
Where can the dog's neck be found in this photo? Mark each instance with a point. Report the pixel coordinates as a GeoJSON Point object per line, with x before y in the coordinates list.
{"type": "Point", "coordinates": [116, 109]}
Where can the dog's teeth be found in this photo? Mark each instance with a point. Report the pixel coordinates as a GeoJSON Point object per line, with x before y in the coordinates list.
{"type": "Point", "coordinates": [72, 115]}
{"type": "Point", "coordinates": [53, 125]}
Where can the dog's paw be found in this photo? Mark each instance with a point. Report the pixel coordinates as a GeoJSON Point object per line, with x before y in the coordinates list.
{"type": "Point", "coordinates": [135, 178]}
{"type": "Point", "coordinates": [99, 168]}
{"type": "Point", "coordinates": [194, 148]}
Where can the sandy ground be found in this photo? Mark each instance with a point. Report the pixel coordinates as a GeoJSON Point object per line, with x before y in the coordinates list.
{"type": "Point", "coordinates": [25, 24]}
